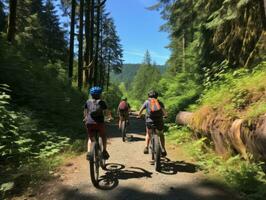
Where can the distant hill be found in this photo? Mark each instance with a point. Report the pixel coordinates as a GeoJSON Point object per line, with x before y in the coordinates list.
{"type": "Point", "coordinates": [128, 73]}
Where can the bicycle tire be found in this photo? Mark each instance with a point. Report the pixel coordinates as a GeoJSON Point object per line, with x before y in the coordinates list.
{"type": "Point", "coordinates": [152, 147]}
{"type": "Point", "coordinates": [123, 130]}
{"type": "Point", "coordinates": [102, 161]}
{"type": "Point", "coordinates": [94, 165]}
{"type": "Point", "coordinates": [157, 153]}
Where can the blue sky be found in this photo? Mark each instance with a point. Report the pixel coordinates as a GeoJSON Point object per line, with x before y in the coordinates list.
{"type": "Point", "coordinates": [138, 29]}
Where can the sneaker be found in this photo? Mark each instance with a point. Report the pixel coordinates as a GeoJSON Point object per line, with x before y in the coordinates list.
{"type": "Point", "coordinates": [164, 153]}
{"type": "Point", "coordinates": [146, 151]}
{"type": "Point", "coordinates": [105, 155]}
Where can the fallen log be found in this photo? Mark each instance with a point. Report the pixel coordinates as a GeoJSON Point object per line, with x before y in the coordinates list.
{"type": "Point", "coordinates": [228, 135]}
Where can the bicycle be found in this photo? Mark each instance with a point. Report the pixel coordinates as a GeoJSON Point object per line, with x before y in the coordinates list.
{"type": "Point", "coordinates": [156, 148]}
{"type": "Point", "coordinates": [95, 159]}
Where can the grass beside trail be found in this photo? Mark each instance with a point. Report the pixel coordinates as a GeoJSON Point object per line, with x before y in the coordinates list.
{"type": "Point", "coordinates": [245, 177]}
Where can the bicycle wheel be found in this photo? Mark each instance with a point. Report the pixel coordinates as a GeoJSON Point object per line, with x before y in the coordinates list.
{"type": "Point", "coordinates": [123, 130]}
{"type": "Point", "coordinates": [157, 153]}
{"type": "Point", "coordinates": [102, 161]}
{"type": "Point", "coordinates": [95, 165]}
{"type": "Point", "coordinates": [152, 147]}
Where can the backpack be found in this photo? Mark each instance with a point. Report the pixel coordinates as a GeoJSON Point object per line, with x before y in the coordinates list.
{"type": "Point", "coordinates": [155, 110]}
{"type": "Point", "coordinates": [95, 110]}
{"type": "Point", "coordinates": [123, 106]}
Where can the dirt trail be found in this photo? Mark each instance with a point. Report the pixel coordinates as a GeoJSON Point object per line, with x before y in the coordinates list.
{"type": "Point", "coordinates": [132, 176]}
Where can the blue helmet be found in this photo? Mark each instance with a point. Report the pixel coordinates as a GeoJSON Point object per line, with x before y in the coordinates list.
{"type": "Point", "coordinates": [95, 90]}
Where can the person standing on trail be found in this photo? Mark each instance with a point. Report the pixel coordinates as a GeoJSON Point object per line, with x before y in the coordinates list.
{"type": "Point", "coordinates": [155, 112]}
{"type": "Point", "coordinates": [94, 118]}
{"type": "Point", "coordinates": [123, 111]}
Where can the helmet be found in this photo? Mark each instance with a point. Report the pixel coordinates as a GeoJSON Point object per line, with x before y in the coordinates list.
{"type": "Point", "coordinates": [153, 94]}
{"type": "Point", "coordinates": [95, 90]}
{"type": "Point", "coordinates": [124, 98]}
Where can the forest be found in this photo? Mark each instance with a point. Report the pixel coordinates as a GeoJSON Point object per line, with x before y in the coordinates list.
{"type": "Point", "coordinates": [51, 52]}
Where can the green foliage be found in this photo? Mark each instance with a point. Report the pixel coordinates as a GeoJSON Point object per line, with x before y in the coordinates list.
{"type": "Point", "coordinates": [22, 142]}
{"type": "Point", "coordinates": [177, 93]}
{"type": "Point", "coordinates": [247, 178]}
{"type": "Point", "coordinates": [112, 97]}
{"type": "Point", "coordinates": [241, 90]}
{"type": "Point", "coordinates": [44, 89]}
{"type": "Point", "coordinates": [146, 79]}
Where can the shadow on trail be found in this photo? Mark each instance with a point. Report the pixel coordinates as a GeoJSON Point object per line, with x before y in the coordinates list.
{"type": "Point", "coordinates": [116, 172]}
{"type": "Point", "coordinates": [173, 167]}
{"type": "Point", "coordinates": [204, 190]}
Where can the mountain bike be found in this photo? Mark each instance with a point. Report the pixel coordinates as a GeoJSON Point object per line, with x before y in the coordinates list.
{"type": "Point", "coordinates": [96, 160]}
{"type": "Point", "coordinates": [156, 148]}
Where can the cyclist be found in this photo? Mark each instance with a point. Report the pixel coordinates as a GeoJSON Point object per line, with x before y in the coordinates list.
{"type": "Point", "coordinates": [155, 112]}
{"type": "Point", "coordinates": [94, 118]}
{"type": "Point", "coordinates": [123, 110]}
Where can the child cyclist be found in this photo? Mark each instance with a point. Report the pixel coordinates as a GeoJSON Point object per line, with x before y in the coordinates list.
{"type": "Point", "coordinates": [155, 112]}
{"type": "Point", "coordinates": [94, 118]}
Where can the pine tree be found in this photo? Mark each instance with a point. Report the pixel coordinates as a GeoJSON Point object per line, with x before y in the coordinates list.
{"type": "Point", "coordinates": [54, 38]}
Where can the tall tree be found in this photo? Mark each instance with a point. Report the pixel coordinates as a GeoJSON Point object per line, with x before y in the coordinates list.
{"type": "Point", "coordinates": [55, 46]}
{"type": "Point", "coordinates": [71, 40]}
{"type": "Point", "coordinates": [80, 57]}
{"type": "Point", "coordinates": [2, 17]}
{"type": "Point", "coordinates": [12, 20]}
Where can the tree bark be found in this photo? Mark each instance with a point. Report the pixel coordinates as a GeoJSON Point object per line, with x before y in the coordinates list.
{"type": "Point", "coordinates": [91, 45]}
{"type": "Point", "coordinates": [11, 30]}
{"type": "Point", "coordinates": [71, 42]}
{"type": "Point", "coordinates": [80, 58]}
{"type": "Point", "coordinates": [226, 134]}
{"type": "Point", "coordinates": [97, 44]}
{"type": "Point", "coordinates": [87, 39]}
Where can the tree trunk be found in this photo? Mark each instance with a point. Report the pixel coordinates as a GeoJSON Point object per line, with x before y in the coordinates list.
{"type": "Point", "coordinates": [97, 44]}
{"type": "Point", "coordinates": [87, 39]}
{"type": "Point", "coordinates": [240, 135]}
{"type": "Point", "coordinates": [71, 42]}
{"type": "Point", "coordinates": [80, 58]}
{"type": "Point", "coordinates": [11, 30]}
{"type": "Point", "coordinates": [91, 45]}
{"type": "Point", "coordinates": [102, 68]}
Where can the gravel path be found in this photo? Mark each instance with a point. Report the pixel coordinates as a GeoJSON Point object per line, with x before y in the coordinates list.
{"type": "Point", "coordinates": [131, 175]}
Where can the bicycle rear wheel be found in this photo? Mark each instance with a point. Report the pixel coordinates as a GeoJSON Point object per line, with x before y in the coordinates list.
{"type": "Point", "coordinates": [157, 154]}
{"type": "Point", "coordinates": [95, 164]}
{"type": "Point", "coordinates": [123, 130]}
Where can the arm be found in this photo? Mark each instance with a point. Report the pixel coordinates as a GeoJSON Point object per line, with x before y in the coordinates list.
{"type": "Point", "coordinates": [85, 114]}
{"type": "Point", "coordinates": [141, 110]}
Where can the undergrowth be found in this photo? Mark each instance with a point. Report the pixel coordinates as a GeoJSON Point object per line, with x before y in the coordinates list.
{"type": "Point", "coordinates": [245, 177]}
{"type": "Point", "coordinates": [240, 94]}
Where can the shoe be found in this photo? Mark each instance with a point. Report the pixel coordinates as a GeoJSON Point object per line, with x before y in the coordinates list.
{"type": "Point", "coordinates": [146, 151]}
{"type": "Point", "coordinates": [164, 153]}
{"type": "Point", "coordinates": [105, 155]}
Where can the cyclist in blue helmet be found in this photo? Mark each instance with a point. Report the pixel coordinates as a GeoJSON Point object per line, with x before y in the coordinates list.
{"type": "Point", "coordinates": [94, 118]}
